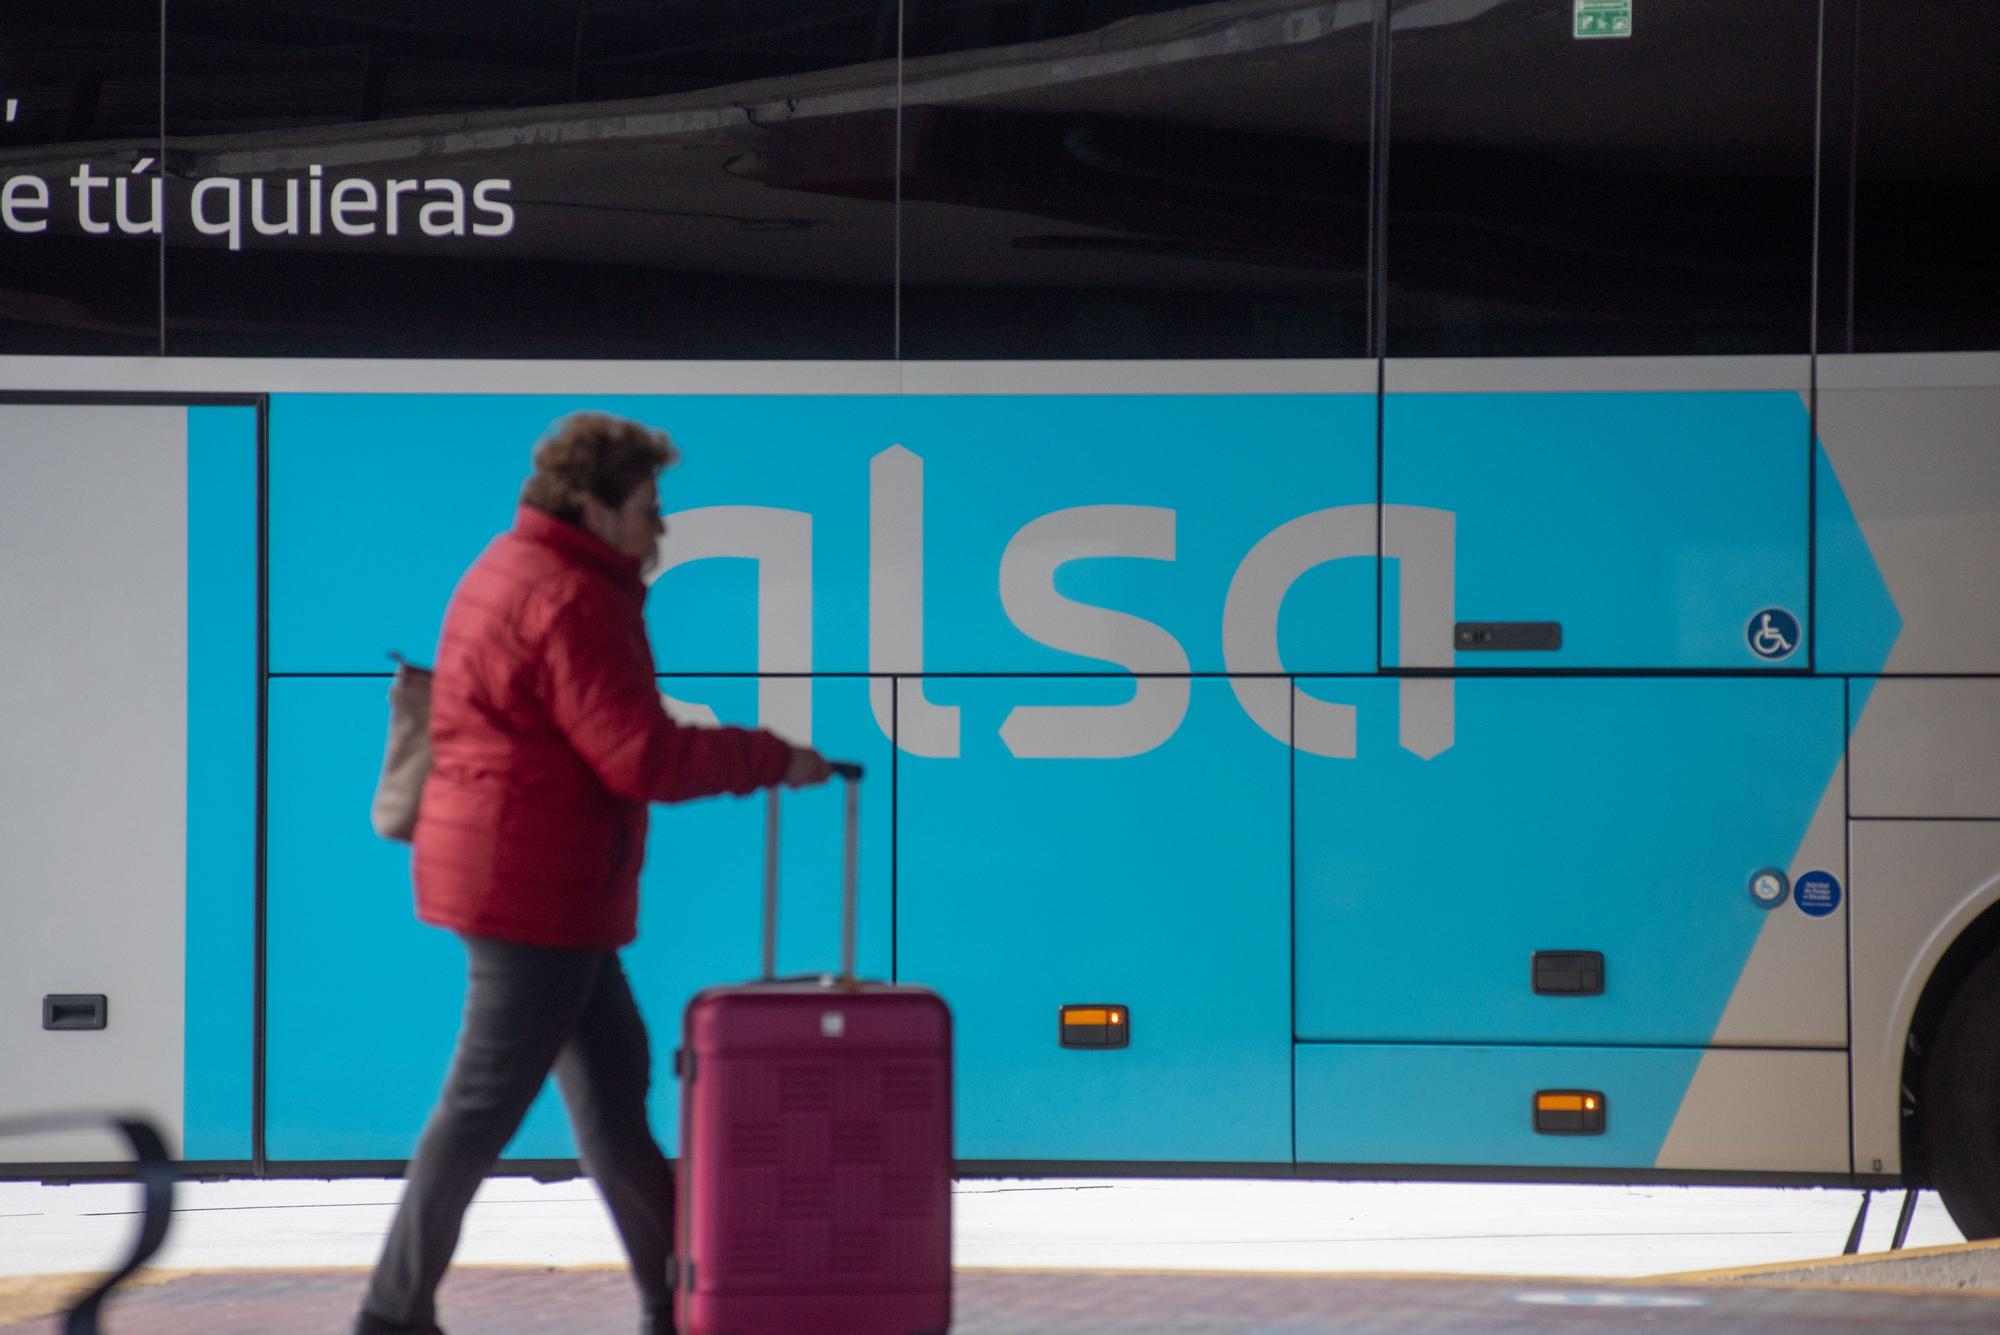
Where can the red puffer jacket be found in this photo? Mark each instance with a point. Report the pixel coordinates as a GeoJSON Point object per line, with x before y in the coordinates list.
{"type": "Point", "coordinates": [550, 739]}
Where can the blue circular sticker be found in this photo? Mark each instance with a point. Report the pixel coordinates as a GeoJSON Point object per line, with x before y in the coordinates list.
{"type": "Point", "coordinates": [1773, 634]}
{"type": "Point", "coordinates": [1817, 893]}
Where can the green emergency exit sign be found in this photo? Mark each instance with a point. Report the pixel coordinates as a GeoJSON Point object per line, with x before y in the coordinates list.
{"type": "Point", "coordinates": [1603, 18]}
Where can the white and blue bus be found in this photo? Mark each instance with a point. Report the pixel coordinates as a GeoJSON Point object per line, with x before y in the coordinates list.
{"type": "Point", "coordinates": [1438, 556]}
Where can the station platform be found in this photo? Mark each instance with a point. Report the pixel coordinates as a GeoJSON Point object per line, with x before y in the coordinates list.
{"type": "Point", "coordinates": [515, 1300]}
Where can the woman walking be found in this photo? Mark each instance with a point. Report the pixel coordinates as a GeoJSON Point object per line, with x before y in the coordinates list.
{"type": "Point", "coordinates": [549, 740]}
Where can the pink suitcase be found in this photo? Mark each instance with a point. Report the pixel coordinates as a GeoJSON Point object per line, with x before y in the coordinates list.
{"type": "Point", "coordinates": [815, 1171]}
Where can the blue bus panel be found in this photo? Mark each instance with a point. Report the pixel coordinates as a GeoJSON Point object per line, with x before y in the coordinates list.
{"type": "Point", "coordinates": [1384, 1104]}
{"type": "Point", "coordinates": [221, 782]}
{"type": "Point", "coordinates": [1158, 883]}
{"type": "Point", "coordinates": [1655, 528]}
{"type": "Point", "coordinates": [357, 985]}
{"type": "Point", "coordinates": [1624, 816]}
{"type": "Point", "coordinates": [1676, 1109]}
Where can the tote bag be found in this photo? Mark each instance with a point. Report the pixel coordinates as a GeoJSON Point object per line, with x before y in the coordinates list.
{"type": "Point", "coordinates": [406, 761]}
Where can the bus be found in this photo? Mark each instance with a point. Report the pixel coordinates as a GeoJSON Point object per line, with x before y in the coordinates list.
{"type": "Point", "coordinates": [1435, 556]}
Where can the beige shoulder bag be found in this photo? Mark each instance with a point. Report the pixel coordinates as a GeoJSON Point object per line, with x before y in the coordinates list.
{"type": "Point", "coordinates": [406, 763]}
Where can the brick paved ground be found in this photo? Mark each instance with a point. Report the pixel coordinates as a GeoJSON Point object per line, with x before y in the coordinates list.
{"type": "Point", "coordinates": [585, 1302]}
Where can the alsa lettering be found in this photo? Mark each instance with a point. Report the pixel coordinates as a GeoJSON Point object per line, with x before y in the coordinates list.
{"type": "Point", "coordinates": [779, 542]}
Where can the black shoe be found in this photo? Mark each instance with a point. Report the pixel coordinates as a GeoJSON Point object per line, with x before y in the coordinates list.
{"type": "Point", "coordinates": [369, 1324]}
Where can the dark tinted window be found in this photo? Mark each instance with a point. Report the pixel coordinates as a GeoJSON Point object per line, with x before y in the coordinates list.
{"type": "Point", "coordinates": [79, 92]}
{"type": "Point", "coordinates": [1118, 178]}
{"type": "Point", "coordinates": [1556, 195]}
{"type": "Point", "coordinates": [1924, 266]}
{"type": "Point", "coordinates": [589, 178]}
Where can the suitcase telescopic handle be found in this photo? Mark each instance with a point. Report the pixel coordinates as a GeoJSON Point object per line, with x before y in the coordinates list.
{"type": "Point", "coordinates": [850, 877]}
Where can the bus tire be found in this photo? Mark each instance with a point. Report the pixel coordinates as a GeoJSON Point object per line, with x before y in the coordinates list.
{"type": "Point", "coordinates": [1961, 1103]}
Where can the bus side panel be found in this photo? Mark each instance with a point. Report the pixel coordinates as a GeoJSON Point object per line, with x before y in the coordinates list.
{"type": "Point", "coordinates": [1664, 1108]}
{"type": "Point", "coordinates": [1762, 1112]}
{"type": "Point", "coordinates": [1910, 496]}
{"type": "Point", "coordinates": [1913, 441]}
{"type": "Point", "coordinates": [1930, 747]}
{"type": "Point", "coordinates": [1656, 528]}
{"type": "Point", "coordinates": [358, 985]}
{"type": "Point", "coordinates": [1625, 816]}
{"type": "Point", "coordinates": [1156, 883]}
{"type": "Point", "coordinates": [362, 1001]}
{"type": "Point", "coordinates": [94, 771]}
{"type": "Point", "coordinates": [222, 701]}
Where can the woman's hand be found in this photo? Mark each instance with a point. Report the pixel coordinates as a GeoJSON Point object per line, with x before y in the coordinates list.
{"type": "Point", "coordinates": [808, 767]}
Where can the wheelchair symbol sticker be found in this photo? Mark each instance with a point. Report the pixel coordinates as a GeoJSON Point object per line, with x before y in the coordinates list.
{"type": "Point", "coordinates": [1773, 634]}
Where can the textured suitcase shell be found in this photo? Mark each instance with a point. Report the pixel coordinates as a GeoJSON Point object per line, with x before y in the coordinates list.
{"type": "Point", "coordinates": [815, 1174]}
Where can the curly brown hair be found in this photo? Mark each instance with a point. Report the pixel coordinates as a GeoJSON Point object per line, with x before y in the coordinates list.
{"type": "Point", "coordinates": [594, 454]}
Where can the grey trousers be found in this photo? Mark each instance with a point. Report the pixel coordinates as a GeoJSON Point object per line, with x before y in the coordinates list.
{"type": "Point", "coordinates": [529, 1009]}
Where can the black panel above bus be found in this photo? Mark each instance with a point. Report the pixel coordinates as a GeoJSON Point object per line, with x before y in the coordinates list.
{"type": "Point", "coordinates": [79, 136]}
{"type": "Point", "coordinates": [1552, 192]}
{"type": "Point", "coordinates": [538, 178]}
{"type": "Point", "coordinates": [1136, 178]}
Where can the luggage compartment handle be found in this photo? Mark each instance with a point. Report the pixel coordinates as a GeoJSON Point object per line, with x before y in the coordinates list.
{"type": "Point", "coordinates": [851, 874]}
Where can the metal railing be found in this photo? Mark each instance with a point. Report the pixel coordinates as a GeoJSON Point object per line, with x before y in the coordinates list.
{"type": "Point", "coordinates": [152, 1168]}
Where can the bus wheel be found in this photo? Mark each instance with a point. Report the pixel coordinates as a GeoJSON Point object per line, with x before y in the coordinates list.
{"type": "Point", "coordinates": [1961, 1103]}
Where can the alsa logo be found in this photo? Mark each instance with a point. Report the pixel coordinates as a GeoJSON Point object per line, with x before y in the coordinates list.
{"type": "Point", "coordinates": [779, 541]}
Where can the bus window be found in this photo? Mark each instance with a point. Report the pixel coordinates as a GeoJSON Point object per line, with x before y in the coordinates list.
{"type": "Point", "coordinates": [79, 101]}
{"type": "Point", "coordinates": [1550, 194]}
{"type": "Point", "coordinates": [1927, 163]}
{"type": "Point", "coordinates": [705, 179]}
{"type": "Point", "coordinates": [1134, 179]}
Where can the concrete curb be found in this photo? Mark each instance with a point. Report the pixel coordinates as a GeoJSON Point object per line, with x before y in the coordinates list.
{"type": "Point", "coordinates": [1971, 1268]}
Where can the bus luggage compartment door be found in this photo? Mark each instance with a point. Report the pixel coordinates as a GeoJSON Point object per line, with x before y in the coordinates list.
{"type": "Point", "coordinates": [1618, 530]}
{"type": "Point", "coordinates": [1628, 817]}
